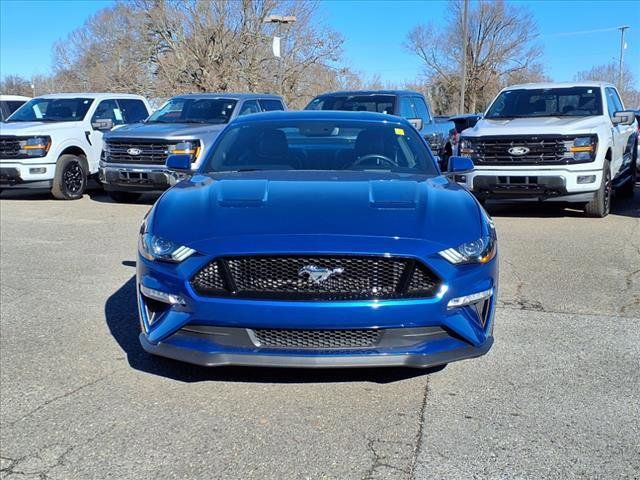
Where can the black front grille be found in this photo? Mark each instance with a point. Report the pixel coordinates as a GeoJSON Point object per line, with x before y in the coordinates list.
{"type": "Point", "coordinates": [146, 152]}
{"type": "Point", "coordinates": [316, 339]}
{"type": "Point", "coordinates": [547, 150]}
{"type": "Point", "coordinates": [9, 147]}
{"type": "Point", "coordinates": [316, 278]}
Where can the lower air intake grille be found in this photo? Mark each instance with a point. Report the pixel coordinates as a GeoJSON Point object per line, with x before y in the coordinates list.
{"type": "Point", "coordinates": [316, 339]}
{"type": "Point", "coordinates": [316, 278]}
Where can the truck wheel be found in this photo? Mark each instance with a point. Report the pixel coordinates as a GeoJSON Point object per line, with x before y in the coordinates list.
{"type": "Point", "coordinates": [70, 180]}
{"type": "Point", "coordinates": [628, 188]}
{"type": "Point", "coordinates": [600, 205]}
{"type": "Point", "coordinates": [123, 197]}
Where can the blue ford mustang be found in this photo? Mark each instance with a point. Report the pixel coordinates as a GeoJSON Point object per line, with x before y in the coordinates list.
{"type": "Point", "coordinates": [317, 239]}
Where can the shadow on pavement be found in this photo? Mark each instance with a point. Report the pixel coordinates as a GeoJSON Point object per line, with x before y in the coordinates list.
{"type": "Point", "coordinates": [122, 319]}
{"type": "Point", "coordinates": [101, 196]}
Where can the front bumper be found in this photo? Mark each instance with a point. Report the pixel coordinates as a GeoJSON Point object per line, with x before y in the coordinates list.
{"type": "Point", "coordinates": [220, 358]}
{"type": "Point", "coordinates": [213, 331]}
{"type": "Point", "coordinates": [17, 174]}
{"type": "Point", "coordinates": [560, 185]}
{"type": "Point", "coordinates": [138, 178]}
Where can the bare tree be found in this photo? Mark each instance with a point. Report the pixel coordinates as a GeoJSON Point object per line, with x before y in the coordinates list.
{"type": "Point", "coordinates": [163, 47]}
{"type": "Point", "coordinates": [15, 85]}
{"type": "Point", "coordinates": [609, 73]}
{"type": "Point", "coordinates": [499, 47]}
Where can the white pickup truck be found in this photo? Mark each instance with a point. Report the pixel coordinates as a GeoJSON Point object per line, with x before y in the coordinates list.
{"type": "Point", "coordinates": [55, 141]}
{"type": "Point", "coordinates": [566, 142]}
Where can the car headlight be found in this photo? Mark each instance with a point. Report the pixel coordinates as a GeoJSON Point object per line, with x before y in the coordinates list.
{"type": "Point", "coordinates": [34, 146]}
{"type": "Point", "coordinates": [153, 247]}
{"type": "Point", "coordinates": [481, 250]}
{"type": "Point", "coordinates": [190, 147]}
{"type": "Point", "coordinates": [582, 149]}
{"type": "Point", "coordinates": [468, 147]}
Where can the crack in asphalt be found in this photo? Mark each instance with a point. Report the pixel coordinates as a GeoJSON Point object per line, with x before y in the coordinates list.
{"type": "Point", "coordinates": [44, 472]}
{"type": "Point", "coordinates": [520, 303]}
{"type": "Point", "coordinates": [420, 434]}
{"type": "Point", "coordinates": [59, 397]}
{"type": "Point", "coordinates": [378, 458]}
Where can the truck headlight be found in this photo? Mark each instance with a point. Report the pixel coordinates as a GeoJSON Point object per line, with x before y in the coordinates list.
{"type": "Point", "coordinates": [190, 147]}
{"type": "Point", "coordinates": [582, 149]}
{"type": "Point", "coordinates": [34, 146]}
{"type": "Point", "coordinates": [153, 247]}
{"type": "Point", "coordinates": [468, 147]}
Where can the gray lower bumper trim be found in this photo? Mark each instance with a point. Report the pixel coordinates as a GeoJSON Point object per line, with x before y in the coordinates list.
{"type": "Point", "coordinates": [319, 361]}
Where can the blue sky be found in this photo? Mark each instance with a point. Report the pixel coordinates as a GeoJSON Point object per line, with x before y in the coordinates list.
{"type": "Point", "coordinates": [373, 30]}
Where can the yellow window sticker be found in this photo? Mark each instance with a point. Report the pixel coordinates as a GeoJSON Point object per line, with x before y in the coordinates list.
{"type": "Point", "coordinates": [399, 131]}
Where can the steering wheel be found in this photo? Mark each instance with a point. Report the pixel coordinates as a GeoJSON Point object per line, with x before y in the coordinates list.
{"type": "Point", "coordinates": [369, 156]}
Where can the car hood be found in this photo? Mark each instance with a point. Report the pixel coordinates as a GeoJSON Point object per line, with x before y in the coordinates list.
{"type": "Point", "coordinates": [164, 130]}
{"type": "Point", "coordinates": [315, 205]}
{"type": "Point", "coordinates": [537, 125]}
{"type": "Point", "coordinates": [36, 128]}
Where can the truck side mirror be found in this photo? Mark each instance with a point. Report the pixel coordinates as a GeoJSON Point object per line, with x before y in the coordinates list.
{"type": "Point", "coordinates": [179, 163]}
{"type": "Point", "coordinates": [102, 124]}
{"type": "Point", "coordinates": [460, 165]}
{"type": "Point", "coordinates": [416, 122]}
{"type": "Point", "coordinates": [623, 117]}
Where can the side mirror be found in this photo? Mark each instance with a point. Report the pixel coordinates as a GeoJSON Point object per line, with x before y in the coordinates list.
{"type": "Point", "coordinates": [623, 117]}
{"type": "Point", "coordinates": [460, 165]}
{"type": "Point", "coordinates": [416, 122]}
{"type": "Point", "coordinates": [179, 163]}
{"type": "Point", "coordinates": [103, 124]}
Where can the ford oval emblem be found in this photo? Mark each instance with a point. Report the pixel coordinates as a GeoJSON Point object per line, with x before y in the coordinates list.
{"type": "Point", "coordinates": [134, 151]}
{"type": "Point", "coordinates": [518, 151]}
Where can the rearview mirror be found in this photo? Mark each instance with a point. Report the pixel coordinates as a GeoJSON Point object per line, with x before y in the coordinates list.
{"type": "Point", "coordinates": [416, 122]}
{"type": "Point", "coordinates": [180, 162]}
{"type": "Point", "coordinates": [460, 165]}
{"type": "Point", "coordinates": [623, 117]}
{"type": "Point", "coordinates": [103, 124]}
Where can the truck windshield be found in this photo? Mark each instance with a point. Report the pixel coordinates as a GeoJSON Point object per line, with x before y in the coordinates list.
{"type": "Point", "coordinates": [192, 110]}
{"type": "Point", "coordinates": [354, 103]}
{"type": "Point", "coordinates": [321, 145]}
{"type": "Point", "coordinates": [52, 110]}
{"type": "Point", "coordinates": [547, 102]}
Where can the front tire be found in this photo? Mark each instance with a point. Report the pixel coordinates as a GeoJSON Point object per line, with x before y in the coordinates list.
{"type": "Point", "coordinates": [600, 205]}
{"type": "Point", "coordinates": [123, 197]}
{"type": "Point", "coordinates": [70, 180]}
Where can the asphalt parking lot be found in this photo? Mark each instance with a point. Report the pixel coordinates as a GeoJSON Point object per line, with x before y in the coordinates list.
{"type": "Point", "coordinates": [557, 397]}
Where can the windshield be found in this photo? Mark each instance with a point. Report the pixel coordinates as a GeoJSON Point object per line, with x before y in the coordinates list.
{"type": "Point", "coordinates": [52, 110]}
{"type": "Point", "coordinates": [192, 110]}
{"type": "Point", "coordinates": [548, 102]}
{"type": "Point", "coordinates": [354, 103]}
{"type": "Point", "coordinates": [321, 145]}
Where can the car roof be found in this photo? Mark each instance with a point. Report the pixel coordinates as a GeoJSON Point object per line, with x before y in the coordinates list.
{"type": "Point", "coordinates": [13, 97]}
{"type": "Point", "coordinates": [94, 96]}
{"type": "Point", "coordinates": [329, 115]}
{"type": "Point", "coordinates": [545, 85]}
{"type": "Point", "coordinates": [230, 96]}
{"type": "Point", "coordinates": [368, 92]}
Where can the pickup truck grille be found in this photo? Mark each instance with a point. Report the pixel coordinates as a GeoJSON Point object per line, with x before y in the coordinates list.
{"type": "Point", "coordinates": [316, 278]}
{"type": "Point", "coordinates": [145, 152]}
{"type": "Point", "coordinates": [542, 150]}
{"type": "Point", "coordinates": [9, 147]}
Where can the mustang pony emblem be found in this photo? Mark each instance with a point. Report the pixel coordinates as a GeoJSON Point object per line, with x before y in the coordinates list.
{"type": "Point", "coordinates": [317, 275]}
{"type": "Point", "coordinates": [134, 151]}
{"type": "Point", "coordinates": [518, 150]}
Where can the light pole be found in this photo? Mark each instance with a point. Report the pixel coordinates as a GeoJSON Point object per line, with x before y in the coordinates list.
{"type": "Point", "coordinates": [622, 29]}
{"type": "Point", "coordinates": [463, 79]}
{"type": "Point", "coordinates": [280, 20]}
